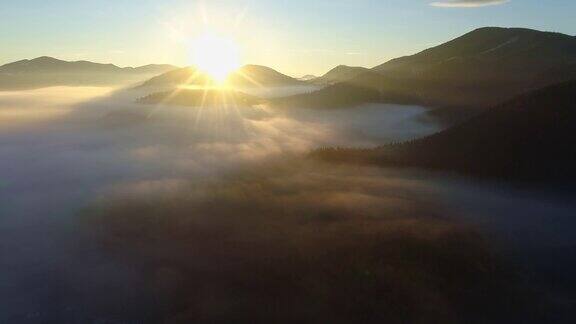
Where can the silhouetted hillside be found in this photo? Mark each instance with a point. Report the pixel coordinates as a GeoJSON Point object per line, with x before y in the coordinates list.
{"type": "Point", "coordinates": [530, 138]}
{"type": "Point", "coordinates": [308, 77]}
{"type": "Point", "coordinates": [512, 54]}
{"type": "Point", "coordinates": [174, 78]}
{"type": "Point", "coordinates": [47, 71]}
{"type": "Point", "coordinates": [247, 76]}
{"type": "Point", "coordinates": [335, 96]}
{"type": "Point", "coordinates": [562, 73]}
{"type": "Point", "coordinates": [260, 76]}
{"type": "Point", "coordinates": [200, 97]}
{"type": "Point", "coordinates": [483, 67]}
{"type": "Point", "coordinates": [341, 73]}
{"type": "Point", "coordinates": [480, 69]}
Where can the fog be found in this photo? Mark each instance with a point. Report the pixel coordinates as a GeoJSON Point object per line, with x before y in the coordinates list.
{"type": "Point", "coordinates": [86, 174]}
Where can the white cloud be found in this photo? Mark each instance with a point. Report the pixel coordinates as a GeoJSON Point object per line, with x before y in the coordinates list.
{"type": "Point", "coordinates": [467, 3]}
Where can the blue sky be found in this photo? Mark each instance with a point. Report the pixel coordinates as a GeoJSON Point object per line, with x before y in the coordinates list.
{"type": "Point", "coordinates": [294, 36]}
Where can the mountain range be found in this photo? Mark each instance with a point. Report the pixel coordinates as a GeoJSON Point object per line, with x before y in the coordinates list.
{"type": "Point", "coordinates": [48, 71]}
{"type": "Point", "coordinates": [479, 69]}
{"type": "Point", "coordinates": [527, 139]}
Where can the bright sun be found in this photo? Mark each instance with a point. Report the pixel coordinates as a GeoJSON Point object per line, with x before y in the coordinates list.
{"type": "Point", "coordinates": [215, 55]}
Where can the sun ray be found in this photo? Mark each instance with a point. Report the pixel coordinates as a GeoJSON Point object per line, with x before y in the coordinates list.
{"type": "Point", "coordinates": [250, 79]}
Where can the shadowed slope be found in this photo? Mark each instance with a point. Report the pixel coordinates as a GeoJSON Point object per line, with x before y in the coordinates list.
{"type": "Point", "coordinates": [500, 54]}
{"type": "Point", "coordinates": [479, 69]}
{"type": "Point", "coordinates": [341, 73]}
{"type": "Point", "coordinates": [483, 67]}
{"type": "Point", "coordinates": [335, 96]}
{"type": "Point", "coordinates": [527, 139]}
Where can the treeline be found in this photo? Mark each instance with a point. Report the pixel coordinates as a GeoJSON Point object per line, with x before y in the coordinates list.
{"type": "Point", "coordinates": [530, 138]}
{"type": "Point", "coordinates": [200, 97]}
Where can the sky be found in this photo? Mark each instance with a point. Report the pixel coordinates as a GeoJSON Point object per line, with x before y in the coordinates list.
{"type": "Point", "coordinates": [296, 37]}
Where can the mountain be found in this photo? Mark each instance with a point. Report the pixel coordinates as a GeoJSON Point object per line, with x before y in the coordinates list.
{"type": "Point", "coordinates": [340, 95]}
{"type": "Point", "coordinates": [483, 67]}
{"type": "Point", "coordinates": [308, 77]}
{"type": "Point", "coordinates": [530, 138]}
{"type": "Point", "coordinates": [477, 70]}
{"type": "Point", "coordinates": [48, 71]}
{"type": "Point", "coordinates": [562, 73]}
{"type": "Point", "coordinates": [341, 73]}
{"type": "Point", "coordinates": [347, 94]}
{"type": "Point", "coordinates": [174, 78]}
{"type": "Point", "coordinates": [260, 76]}
{"type": "Point", "coordinates": [152, 68]}
{"type": "Point", "coordinates": [488, 54]}
{"type": "Point", "coordinates": [246, 77]}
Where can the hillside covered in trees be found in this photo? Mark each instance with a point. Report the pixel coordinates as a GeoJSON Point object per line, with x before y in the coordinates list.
{"type": "Point", "coordinates": [528, 139]}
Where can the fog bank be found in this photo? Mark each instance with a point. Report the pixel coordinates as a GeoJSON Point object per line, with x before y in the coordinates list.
{"type": "Point", "coordinates": [109, 207]}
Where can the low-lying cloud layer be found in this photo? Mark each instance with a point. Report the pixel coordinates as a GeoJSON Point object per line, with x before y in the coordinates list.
{"type": "Point", "coordinates": [296, 241]}
{"type": "Point", "coordinates": [118, 212]}
{"type": "Point", "coordinates": [61, 148]}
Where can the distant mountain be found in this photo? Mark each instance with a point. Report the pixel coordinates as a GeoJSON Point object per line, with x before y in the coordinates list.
{"type": "Point", "coordinates": [245, 77]}
{"type": "Point", "coordinates": [341, 73]}
{"type": "Point", "coordinates": [174, 78]}
{"type": "Point", "coordinates": [152, 68]}
{"type": "Point", "coordinates": [48, 71]}
{"type": "Point", "coordinates": [530, 138]}
{"type": "Point", "coordinates": [308, 77]}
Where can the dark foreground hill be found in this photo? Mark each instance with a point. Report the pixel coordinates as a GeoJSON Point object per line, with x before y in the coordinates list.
{"type": "Point", "coordinates": [530, 138]}
{"type": "Point", "coordinates": [47, 71]}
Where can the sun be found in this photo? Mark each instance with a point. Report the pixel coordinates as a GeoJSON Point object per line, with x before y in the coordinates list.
{"type": "Point", "coordinates": [215, 55]}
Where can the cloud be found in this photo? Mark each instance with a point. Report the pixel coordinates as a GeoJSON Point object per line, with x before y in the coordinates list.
{"type": "Point", "coordinates": [467, 3]}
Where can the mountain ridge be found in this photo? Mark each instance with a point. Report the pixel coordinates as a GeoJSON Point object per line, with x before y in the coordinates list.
{"type": "Point", "coordinates": [250, 75]}
{"type": "Point", "coordinates": [472, 72]}
{"type": "Point", "coordinates": [48, 61]}
{"type": "Point", "coordinates": [46, 71]}
{"type": "Point", "coordinates": [340, 73]}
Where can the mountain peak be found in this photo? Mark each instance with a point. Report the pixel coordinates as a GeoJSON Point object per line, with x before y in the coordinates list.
{"type": "Point", "coordinates": [45, 59]}
{"type": "Point", "coordinates": [342, 73]}
{"type": "Point", "coordinates": [255, 67]}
